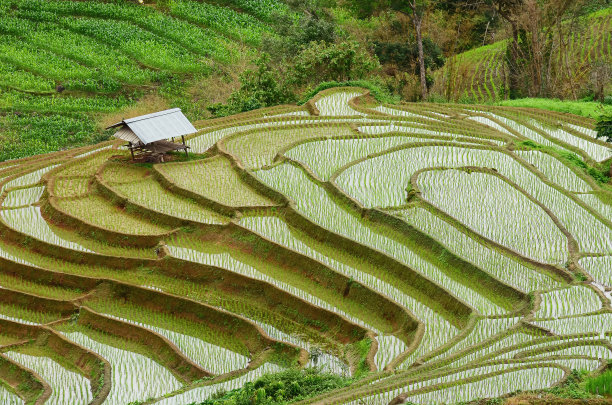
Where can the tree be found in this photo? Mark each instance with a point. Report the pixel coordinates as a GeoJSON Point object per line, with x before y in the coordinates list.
{"type": "Point", "coordinates": [341, 62]}
{"type": "Point", "coordinates": [510, 10]}
{"type": "Point", "coordinates": [604, 127]}
{"type": "Point", "coordinates": [415, 9]}
{"type": "Point", "coordinates": [259, 88]}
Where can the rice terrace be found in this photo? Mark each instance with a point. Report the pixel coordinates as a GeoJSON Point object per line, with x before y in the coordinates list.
{"type": "Point", "coordinates": [352, 248]}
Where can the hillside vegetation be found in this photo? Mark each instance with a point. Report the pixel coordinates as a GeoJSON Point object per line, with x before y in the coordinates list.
{"type": "Point", "coordinates": [67, 68]}
{"type": "Point", "coordinates": [70, 68]}
{"type": "Point", "coordinates": [481, 75]}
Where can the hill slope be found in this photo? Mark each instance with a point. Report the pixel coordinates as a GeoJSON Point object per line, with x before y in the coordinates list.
{"type": "Point", "coordinates": [64, 65]}
{"type": "Point", "coordinates": [481, 74]}
{"type": "Point", "coordinates": [465, 248]}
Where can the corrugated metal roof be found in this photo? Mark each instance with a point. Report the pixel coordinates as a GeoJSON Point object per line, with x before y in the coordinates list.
{"type": "Point", "coordinates": [127, 135]}
{"type": "Point", "coordinates": [155, 127]}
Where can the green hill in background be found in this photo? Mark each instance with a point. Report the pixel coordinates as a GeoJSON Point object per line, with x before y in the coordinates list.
{"type": "Point", "coordinates": [67, 68]}
{"type": "Point", "coordinates": [480, 75]}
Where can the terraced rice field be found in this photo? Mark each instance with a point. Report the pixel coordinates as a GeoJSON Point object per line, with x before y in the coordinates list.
{"type": "Point", "coordinates": [481, 74]}
{"type": "Point", "coordinates": [436, 253]}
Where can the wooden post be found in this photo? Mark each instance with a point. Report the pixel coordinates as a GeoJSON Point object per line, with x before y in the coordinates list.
{"type": "Point", "coordinates": [186, 153]}
{"type": "Point", "coordinates": [131, 151]}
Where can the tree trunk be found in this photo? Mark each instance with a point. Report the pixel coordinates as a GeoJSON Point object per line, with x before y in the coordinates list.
{"type": "Point", "coordinates": [417, 27]}
{"type": "Point", "coordinates": [513, 68]}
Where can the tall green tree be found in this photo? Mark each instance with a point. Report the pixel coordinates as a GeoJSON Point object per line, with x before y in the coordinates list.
{"type": "Point", "coordinates": [415, 9]}
{"type": "Point", "coordinates": [510, 11]}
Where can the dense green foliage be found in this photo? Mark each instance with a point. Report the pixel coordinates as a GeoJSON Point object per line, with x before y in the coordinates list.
{"type": "Point", "coordinates": [281, 388]}
{"type": "Point", "coordinates": [573, 387]}
{"type": "Point", "coordinates": [600, 385]}
{"type": "Point", "coordinates": [228, 56]}
{"type": "Point", "coordinates": [604, 126]}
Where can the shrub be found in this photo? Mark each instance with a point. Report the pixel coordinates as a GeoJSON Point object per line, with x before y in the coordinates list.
{"type": "Point", "coordinates": [604, 127]}
{"type": "Point", "coordinates": [321, 61]}
{"type": "Point", "coordinates": [280, 388]}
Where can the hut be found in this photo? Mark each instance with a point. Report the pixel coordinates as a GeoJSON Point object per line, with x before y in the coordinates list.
{"type": "Point", "coordinates": [149, 136]}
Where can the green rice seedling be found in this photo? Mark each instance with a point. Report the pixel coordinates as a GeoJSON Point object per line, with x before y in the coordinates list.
{"type": "Point", "coordinates": [453, 359]}
{"type": "Point", "coordinates": [203, 332]}
{"type": "Point", "coordinates": [70, 186]}
{"type": "Point", "coordinates": [381, 181]}
{"type": "Point", "coordinates": [258, 149]}
{"type": "Point", "coordinates": [92, 151]}
{"type": "Point", "coordinates": [29, 179]}
{"type": "Point", "coordinates": [601, 353]}
{"type": "Point", "coordinates": [150, 194]}
{"type": "Point", "coordinates": [591, 232]}
{"type": "Point", "coordinates": [212, 358]}
{"type": "Point", "coordinates": [529, 379]}
{"type": "Point", "coordinates": [574, 300]}
{"type": "Point", "coordinates": [22, 197]}
{"type": "Point", "coordinates": [556, 171]}
{"type": "Point", "coordinates": [490, 123]}
{"type": "Point", "coordinates": [507, 270]}
{"type": "Point", "coordinates": [484, 329]}
{"type": "Point", "coordinates": [402, 113]}
{"type": "Point", "coordinates": [98, 211]}
{"type": "Point", "coordinates": [336, 103]}
{"type": "Point", "coordinates": [86, 166]}
{"type": "Point", "coordinates": [205, 140]}
{"type": "Point", "coordinates": [68, 387]}
{"type": "Point", "coordinates": [203, 177]}
{"type": "Point", "coordinates": [517, 126]}
{"type": "Point", "coordinates": [30, 287]}
{"type": "Point", "coordinates": [319, 357]}
{"type": "Point", "coordinates": [580, 364]}
{"type": "Point", "coordinates": [439, 329]}
{"type": "Point", "coordinates": [600, 268]}
{"type": "Point", "coordinates": [594, 150]}
{"type": "Point", "coordinates": [488, 349]}
{"type": "Point", "coordinates": [227, 261]}
{"type": "Point", "coordinates": [134, 376]}
{"type": "Point", "coordinates": [480, 197]}
{"type": "Point", "coordinates": [313, 202]}
{"type": "Point", "coordinates": [9, 398]}
{"type": "Point", "coordinates": [587, 323]}
{"type": "Point", "coordinates": [100, 246]}
{"type": "Point", "coordinates": [24, 315]}
{"type": "Point", "coordinates": [583, 130]}
{"type": "Point", "coordinates": [602, 208]}
{"type": "Point", "coordinates": [29, 221]}
{"type": "Point", "coordinates": [553, 346]}
{"type": "Point", "coordinates": [327, 156]}
{"type": "Point", "coordinates": [431, 133]}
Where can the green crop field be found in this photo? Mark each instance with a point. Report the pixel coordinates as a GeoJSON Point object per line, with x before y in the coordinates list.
{"type": "Point", "coordinates": [433, 253]}
{"type": "Point", "coordinates": [66, 65]}
{"type": "Point", "coordinates": [481, 75]}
